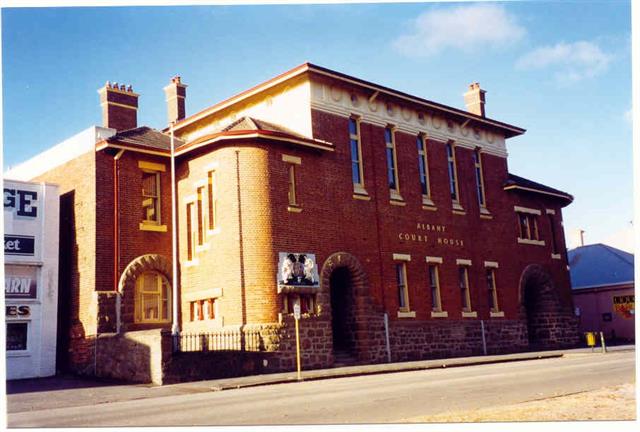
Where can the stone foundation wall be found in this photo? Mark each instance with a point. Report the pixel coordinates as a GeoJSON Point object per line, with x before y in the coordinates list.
{"type": "Point", "coordinates": [133, 356]}
{"type": "Point", "coordinates": [419, 340]}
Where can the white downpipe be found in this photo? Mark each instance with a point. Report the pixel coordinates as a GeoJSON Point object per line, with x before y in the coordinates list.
{"type": "Point", "coordinates": [175, 327]}
{"type": "Point", "coordinates": [484, 340]}
{"type": "Point", "coordinates": [386, 335]}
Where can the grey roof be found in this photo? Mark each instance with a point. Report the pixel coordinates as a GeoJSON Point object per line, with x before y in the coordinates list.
{"type": "Point", "coordinates": [146, 137]}
{"type": "Point", "coordinates": [599, 265]}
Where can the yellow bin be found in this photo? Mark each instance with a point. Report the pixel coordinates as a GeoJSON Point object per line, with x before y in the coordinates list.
{"type": "Point", "coordinates": [591, 339]}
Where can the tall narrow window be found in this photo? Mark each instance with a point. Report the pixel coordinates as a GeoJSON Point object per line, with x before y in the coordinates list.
{"type": "Point", "coordinates": [491, 290]}
{"type": "Point", "coordinates": [200, 215]}
{"type": "Point", "coordinates": [190, 233]}
{"type": "Point", "coordinates": [463, 282]}
{"type": "Point", "coordinates": [453, 181]}
{"type": "Point", "coordinates": [392, 167]}
{"type": "Point", "coordinates": [403, 291]}
{"type": "Point", "coordinates": [292, 185]}
{"type": "Point", "coordinates": [554, 243]}
{"type": "Point", "coordinates": [151, 197]}
{"type": "Point", "coordinates": [423, 165]}
{"type": "Point", "coordinates": [356, 154]}
{"type": "Point", "coordinates": [212, 200]}
{"type": "Point", "coordinates": [434, 285]}
{"type": "Point", "coordinates": [477, 161]}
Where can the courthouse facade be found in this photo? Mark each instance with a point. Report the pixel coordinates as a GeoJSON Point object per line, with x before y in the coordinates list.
{"type": "Point", "coordinates": [391, 219]}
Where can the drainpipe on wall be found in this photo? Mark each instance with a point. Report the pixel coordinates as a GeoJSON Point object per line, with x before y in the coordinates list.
{"type": "Point", "coordinates": [116, 234]}
{"type": "Point", "coordinates": [175, 327]}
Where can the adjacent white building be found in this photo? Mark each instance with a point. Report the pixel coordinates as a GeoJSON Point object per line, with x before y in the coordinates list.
{"type": "Point", "coordinates": [31, 230]}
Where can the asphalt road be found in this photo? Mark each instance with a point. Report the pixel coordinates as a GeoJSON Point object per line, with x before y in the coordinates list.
{"type": "Point", "coordinates": [388, 398]}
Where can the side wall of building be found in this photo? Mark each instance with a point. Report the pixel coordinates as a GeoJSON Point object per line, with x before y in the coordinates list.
{"type": "Point", "coordinates": [77, 302]}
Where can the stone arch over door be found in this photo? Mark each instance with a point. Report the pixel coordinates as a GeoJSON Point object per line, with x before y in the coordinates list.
{"type": "Point", "coordinates": [127, 284]}
{"type": "Point", "coordinates": [540, 306]}
{"type": "Point", "coordinates": [358, 307]}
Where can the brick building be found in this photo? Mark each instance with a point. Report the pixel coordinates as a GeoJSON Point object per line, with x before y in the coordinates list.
{"type": "Point", "coordinates": [392, 220]}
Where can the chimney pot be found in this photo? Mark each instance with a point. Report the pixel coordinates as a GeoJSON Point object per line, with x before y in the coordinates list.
{"type": "Point", "coordinates": [119, 106]}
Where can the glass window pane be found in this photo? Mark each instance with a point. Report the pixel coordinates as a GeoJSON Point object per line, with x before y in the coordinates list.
{"type": "Point", "coordinates": [353, 129]}
{"type": "Point", "coordinates": [16, 336]}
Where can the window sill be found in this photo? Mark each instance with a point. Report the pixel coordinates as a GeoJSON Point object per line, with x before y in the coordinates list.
{"type": "Point", "coordinates": [484, 216]}
{"type": "Point", "coordinates": [427, 201]}
{"type": "Point", "coordinates": [473, 314]}
{"type": "Point", "coordinates": [456, 206]}
{"type": "Point", "coordinates": [395, 195]}
{"type": "Point", "coordinates": [439, 314]}
{"type": "Point", "coordinates": [362, 197]}
{"type": "Point", "coordinates": [459, 212]}
{"type": "Point", "coordinates": [556, 256]}
{"type": "Point", "coordinates": [151, 227]}
{"type": "Point", "coordinates": [203, 247]}
{"type": "Point", "coordinates": [484, 211]}
{"type": "Point", "coordinates": [397, 202]}
{"type": "Point", "coordinates": [192, 263]}
{"type": "Point", "coordinates": [430, 208]}
{"type": "Point", "coordinates": [294, 209]}
{"type": "Point", "coordinates": [531, 242]}
{"type": "Point", "coordinates": [499, 314]}
{"type": "Point", "coordinates": [408, 314]}
{"type": "Point", "coordinates": [212, 232]}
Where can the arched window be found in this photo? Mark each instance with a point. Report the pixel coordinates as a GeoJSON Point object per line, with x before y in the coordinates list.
{"type": "Point", "coordinates": [153, 294]}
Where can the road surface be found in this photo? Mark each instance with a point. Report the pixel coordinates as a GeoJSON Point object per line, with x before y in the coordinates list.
{"type": "Point", "coordinates": [386, 398]}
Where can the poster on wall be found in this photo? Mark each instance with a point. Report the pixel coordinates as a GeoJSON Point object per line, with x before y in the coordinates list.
{"type": "Point", "coordinates": [624, 305]}
{"type": "Point", "coordinates": [297, 269]}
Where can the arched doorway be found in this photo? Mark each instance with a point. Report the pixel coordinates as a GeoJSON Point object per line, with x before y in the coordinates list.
{"type": "Point", "coordinates": [541, 306]}
{"type": "Point", "coordinates": [344, 295]}
{"type": "Point", "coordinates": [343, 323]}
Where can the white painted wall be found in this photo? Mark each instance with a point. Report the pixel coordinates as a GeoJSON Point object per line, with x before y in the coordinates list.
{"type": "Point", "coordinates": [59, 154]}
{"type": "Point", "coordinates": [38, 360]}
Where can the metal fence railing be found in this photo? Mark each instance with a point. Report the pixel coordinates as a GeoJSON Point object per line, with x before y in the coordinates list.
{"type": "Point", "coordinates": [221, 340]}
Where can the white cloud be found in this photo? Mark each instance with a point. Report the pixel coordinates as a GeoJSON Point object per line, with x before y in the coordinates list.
{"type": "Point", "coordinates": [462, 27]}
{"type": "Point", "coordinates": [571, 61]}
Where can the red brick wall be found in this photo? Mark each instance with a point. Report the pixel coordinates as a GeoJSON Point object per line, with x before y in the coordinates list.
{"type": "Point", "coordinates": [76, 181]}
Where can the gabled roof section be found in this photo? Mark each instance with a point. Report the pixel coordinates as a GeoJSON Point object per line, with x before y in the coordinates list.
{"type": "Point", "coordinates": [249, 127]}
{"type": "Point", "coordinates": [507, 129]}
{"type": "Point", "coordinates": [250, 123]}
{"type": "Point", "coordinates": [599, 265]}
{"type": "Point", "coordinates": [518, 183]}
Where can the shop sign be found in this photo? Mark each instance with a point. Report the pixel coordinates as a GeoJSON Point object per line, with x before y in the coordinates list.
{"type": "Point", "coordinates": [19, 245]}
{"type": "Point", "coordinates": [20, 282]}
{"type": "Point", "coordinates": [23, 221]}
{"type": "Point", "coordinates": [624, 305]}
{"type": "Point", "coordinates": [298, 269]}
{"type": "Point", "coordinates": [17, 311]}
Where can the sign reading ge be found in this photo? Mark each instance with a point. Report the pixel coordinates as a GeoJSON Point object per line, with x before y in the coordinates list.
{"type": "Point", "coordinates": [22, 202]}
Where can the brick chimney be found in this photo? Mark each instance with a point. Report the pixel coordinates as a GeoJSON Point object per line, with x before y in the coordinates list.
{"type": "Point", "coordinates": [474, 99]}
{"type": "Point", "coordinates": [176, 92]}
{"type": "Point", "coordinates": [119, 106]}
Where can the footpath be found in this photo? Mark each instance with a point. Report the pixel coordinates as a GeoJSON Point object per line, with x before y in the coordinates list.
{"type": "Point", "coordinates": [68, 391]}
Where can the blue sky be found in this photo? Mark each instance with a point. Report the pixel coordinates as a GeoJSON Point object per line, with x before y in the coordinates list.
{"type": "Point", "coordinates": [561, 70]}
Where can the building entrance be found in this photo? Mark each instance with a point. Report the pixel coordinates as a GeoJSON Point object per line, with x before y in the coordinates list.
{"type": "Point", "coordinates": [541, 306]}
{"type": "Point", "coordinates": [342, 310]}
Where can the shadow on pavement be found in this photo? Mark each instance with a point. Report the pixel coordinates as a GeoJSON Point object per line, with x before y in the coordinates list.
{"type": "Point", "coordinates": [58, 382]}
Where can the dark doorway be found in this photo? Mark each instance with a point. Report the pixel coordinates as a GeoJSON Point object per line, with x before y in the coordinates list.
{"type": "Point", "coordinates": [342, 310]}
{"type": "Point", "coordinates": [541, 305]}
